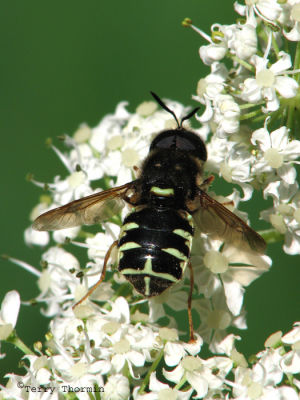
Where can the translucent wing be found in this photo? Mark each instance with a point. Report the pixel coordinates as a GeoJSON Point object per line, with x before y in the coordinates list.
{"type": "Point", "coordinates": [86, 211]}
{"type": "Point", "coordinates": [220, 223]}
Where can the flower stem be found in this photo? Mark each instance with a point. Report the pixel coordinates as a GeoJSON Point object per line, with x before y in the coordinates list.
{"type": "Point", "coordinates": [16, 341]}
{"type": "Point", "coordinates": [117, 294]}
{"type": "Point", "coordinates": [290, 119]}
{"type": "Point", "coordinates": [290, 379]}
{"type": "Point", "coordinates": [259, 118]}
{"type": "Point", "coordinates": [153, 368]}
{"type": "Point", "coordinates": [297, 62]}
{"type": "Point", "coordinates": [246, 65]}
{"type": "Point", "coordinates": [271, 235]}
{"type": "Point", "coordinates": [275, 46]}
{"type": "Point", "coordinates": [249, 105]}
{"type": "Point", "coordinates": [180, 383]}
{"type": "Point", "coordinates": [250, 115]}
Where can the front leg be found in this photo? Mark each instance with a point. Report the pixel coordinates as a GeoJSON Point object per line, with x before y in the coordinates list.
{"type": "Point", "coordinates": [193, 204]}
{"type": "Point", "coordinates": [206, 183]}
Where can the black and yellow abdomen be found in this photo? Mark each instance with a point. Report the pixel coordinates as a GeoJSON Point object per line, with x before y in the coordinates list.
{"type": "Point", "coordinates": [154, 248]}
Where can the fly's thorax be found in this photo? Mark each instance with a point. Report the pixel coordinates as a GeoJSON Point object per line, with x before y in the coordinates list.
{"type": "Point", "coordinates": [162, 196]}
{"type": "Point", "coordinates": [169, 178]}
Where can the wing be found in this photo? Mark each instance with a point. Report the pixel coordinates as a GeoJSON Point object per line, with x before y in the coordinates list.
{"type": "Point", "coordinates": [86, 211]}
{"type": "Point", "coordinates": [219, 223]}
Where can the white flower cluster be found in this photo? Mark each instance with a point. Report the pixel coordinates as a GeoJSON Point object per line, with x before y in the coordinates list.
{"type": "Point", "coordinates": [253, 80]}
{"type": "Point", "coordinates": [118, 349]}
{"type": "Point", "coordinates": [102, 352]}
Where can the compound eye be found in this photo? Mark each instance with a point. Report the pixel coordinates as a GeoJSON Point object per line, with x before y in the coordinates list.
{"type": "Point", "coordinates": [175, 141]}
{"type": "Point", "coordinates": [184, 144]}
{"type": "Point", "coordinates": [166, 143]}
{"type": "Point", "coordinates": [180, 139]}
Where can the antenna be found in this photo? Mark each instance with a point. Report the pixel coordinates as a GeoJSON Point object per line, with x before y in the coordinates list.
{"type": "Point", "coordinates": [162, 104]}
{"type": "Point", "coordinates": [189, 115]}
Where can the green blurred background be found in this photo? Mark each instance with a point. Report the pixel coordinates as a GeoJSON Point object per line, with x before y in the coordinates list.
{"type": "Point", "coordinates": [67, 62]}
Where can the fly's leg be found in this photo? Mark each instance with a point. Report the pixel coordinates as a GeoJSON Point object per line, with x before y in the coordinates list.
{"type": "Point", "coordinates": [137, 170]}
{"type": "Point", "coordinates": [192, 337]}
{"type": "Point", "coordinates": [101, 277]}
{"type": "Point", "coordinates": [206, 183]}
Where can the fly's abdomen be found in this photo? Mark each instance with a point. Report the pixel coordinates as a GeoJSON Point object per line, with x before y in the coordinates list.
{"type": "Point", "coordinates": [154, 248]}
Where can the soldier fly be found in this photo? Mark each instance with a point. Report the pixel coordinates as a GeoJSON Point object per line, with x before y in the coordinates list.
{"type": "Point", "coordinates": [168, 201]}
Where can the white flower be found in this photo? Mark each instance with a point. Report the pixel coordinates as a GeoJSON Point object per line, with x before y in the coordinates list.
{"type": "Point", "coordinates": [290, 363]}
{"type": "Point", "coordinates": [244, 41]}
{"type": "Point", "coordinates": [62, 235]}
{"type": "Point", "coordinates": [75, 186]}
{"type": "Point", "coordinates": [262, 380]}
{"type": "Point", "coordinates": [217, 368]}
{"type": "Point", "coordinates": [217, 149]}
{"type": "Point", "coordinates": [227, 346]}
{"type": "Point", "coordinates": [40, 368]}
{"type": "Point", "coordinates": [292, 337]}
{"type": "Point", "coordinates": [227, 113]}
{"type": "Point", "coordinates": [236, 165]}
{"type": "Point", "coordinates": [111, 124]}
{"type": "Point", "coordinates": [270, 360]}
{"type": "Point", "coordinates": [238, 39]}
{"type": "Point", "coordinates": [292, 19]}
{"type": "Point", "coordinates": [143, 339]}
{"type": "Point", "coordinates": [9, 313]}
{"type": "Point", "coordinates": [100, 243]}
{"type": "Point", "coordinates": [285, 214]}
{"type": "Point", "coordinates": [82, 134]}
{"type": "Point", "coordinates": [175, 350]}
{"type": "Point", "coordinates": [224, 112]}
{"type": "Point", "coordinates": [232, 270]}
{"type": "Point", "coordinates": [38, 238]}
{"type": "Point", "coordinates": [116, 388]}
{"type": "Point", "coordinates": [69, 331]}
{"type": "Point", "coordinates": [77, 183]}
{"type": "Point", "coordinates": [215, 319]}
{"type": "Point", "coordinates": [275, 151]}
{"type": "Point", "coordinates": [161, 391]}
{"type": "Point", "coordinates": [248, 385]}
{"type": "Point", "coordinates": [268, 10]}
{"type": "Point", "coordinates": [195, 373]}
{"type": "Point", "coordinates": [213, 52]}
{"type": "Point", "coordinates": [58, 280]}
{"type": "Point", "coordinates": [81, 373]}
{"type": "Point", "coordinates": [123, 353]}
{"type": "Point", "coordinates": [213, 84]}
{"type": "Point", "coordinates": [32, 236]}
{"type": "Point", "coordinates": [15, 390]}
{"type": "Point", "coordinates": [175, 298]}
{"type": "Point", "coordinates": [268, 81]}
{"type": "Point", "coordinates": [82, 157]}
{"type": "Point", "coordinates": [120, 310]}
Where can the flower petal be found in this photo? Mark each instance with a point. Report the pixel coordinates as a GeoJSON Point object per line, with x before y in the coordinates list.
{"type": "Point", "coordinates": [286, 86]}
{"type": "Point", "coordinates": [282, 64]}
{"type": "Point", "coordinates": [198, 383]}
{"type": "Point", "coordinates": [10, 308]}
{"type": "Point", "coordinates": [234, 293]}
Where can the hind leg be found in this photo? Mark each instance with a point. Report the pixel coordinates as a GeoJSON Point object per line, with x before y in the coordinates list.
{"type": "Point", "coordinates": [191, 325]}
{"type": "Point", "coordinates": [102, 276]}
